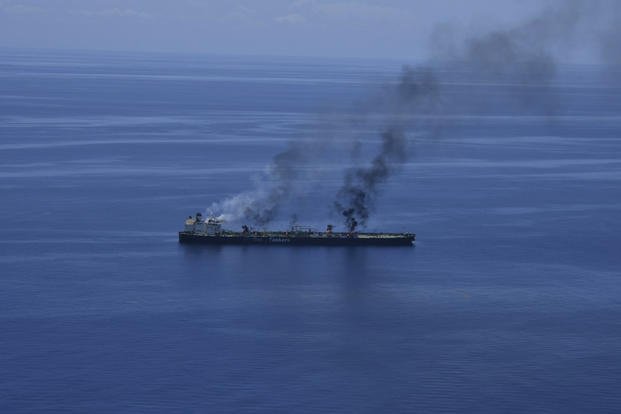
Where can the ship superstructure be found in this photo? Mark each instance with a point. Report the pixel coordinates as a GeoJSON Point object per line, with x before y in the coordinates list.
{"type": "Point", "coordinates": [199, 230]}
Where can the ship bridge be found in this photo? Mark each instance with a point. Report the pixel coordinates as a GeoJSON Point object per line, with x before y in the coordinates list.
{"type": "Point", "coordinates": [199, 225]}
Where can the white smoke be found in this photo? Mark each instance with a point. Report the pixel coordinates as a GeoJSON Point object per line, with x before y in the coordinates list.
{"type": "Point", "coordinates": [234, 208]}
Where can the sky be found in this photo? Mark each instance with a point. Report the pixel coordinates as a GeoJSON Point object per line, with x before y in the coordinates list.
{"type": "Point", "coordinates": [332, 28]}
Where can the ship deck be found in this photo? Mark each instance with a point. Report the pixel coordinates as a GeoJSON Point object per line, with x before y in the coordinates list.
{"type": "Point", "coordinates": [315, 235]}
{"type": "Point", "coordinates": [299, 238]}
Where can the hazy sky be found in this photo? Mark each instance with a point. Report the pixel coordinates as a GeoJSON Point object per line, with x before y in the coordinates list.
{"type": "Point", "coordinates": [365, 28]}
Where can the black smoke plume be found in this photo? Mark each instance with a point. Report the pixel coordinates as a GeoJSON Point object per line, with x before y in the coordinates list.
{"type": "Point", "coordinates": [355, 199]}
{"type": "Point", "coordinates": [520, 58]}
{"type": "Point", "coordinates": [356, 196]}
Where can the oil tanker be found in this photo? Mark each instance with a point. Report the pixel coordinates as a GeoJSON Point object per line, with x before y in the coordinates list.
{"type": "Point", "coordinates": [198, 230]}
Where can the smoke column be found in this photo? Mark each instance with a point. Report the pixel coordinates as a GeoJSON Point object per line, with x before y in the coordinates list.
{"type": "Point", "coordinates": [360, 187]}
{"type": "Point", "coordinates": [522, 57]}
{"type": "Point", "coordinates": [275, 185]}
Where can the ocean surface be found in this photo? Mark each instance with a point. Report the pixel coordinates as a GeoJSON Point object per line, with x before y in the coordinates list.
{"type": "Point", "coordinates": [510, 301]}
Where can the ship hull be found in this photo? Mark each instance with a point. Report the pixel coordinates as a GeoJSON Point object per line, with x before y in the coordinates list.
{"type": "Point", "coordinates": [241, 239]}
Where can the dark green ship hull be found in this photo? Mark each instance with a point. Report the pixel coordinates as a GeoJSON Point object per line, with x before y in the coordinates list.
{"type": "Point", "coordinates": [311, 239]}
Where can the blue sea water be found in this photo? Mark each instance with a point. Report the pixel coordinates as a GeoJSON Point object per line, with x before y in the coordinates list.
{"type": "Point", "coordinates": [510, 302]}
